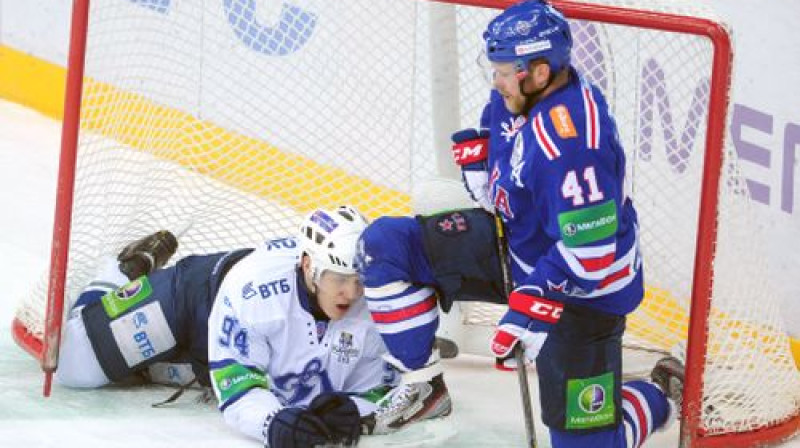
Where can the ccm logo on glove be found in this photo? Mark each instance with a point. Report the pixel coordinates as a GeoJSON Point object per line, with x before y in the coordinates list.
{"type": "Point", "coordinates": [470, 146]}
{"type": "Point", "coordinates": [536, 307]}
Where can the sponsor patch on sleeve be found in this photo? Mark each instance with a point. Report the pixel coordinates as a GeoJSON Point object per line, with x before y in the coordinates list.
{"type": "Point", "coordinates": [142, 334]}
{"type": "Point", "coordinates": [120, 300]}
{"type": "Point", "coordinates": [235, 379]}
{"type": "Point", "coordinates": [589, 224]}
{"type": "Point", "coordinates": [562, 121]}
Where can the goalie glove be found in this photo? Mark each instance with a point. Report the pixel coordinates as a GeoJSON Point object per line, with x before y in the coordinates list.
{"type": "Point", "coordinates": [528, 320]}
{"type": "Point", "coordinates": [470, 152]}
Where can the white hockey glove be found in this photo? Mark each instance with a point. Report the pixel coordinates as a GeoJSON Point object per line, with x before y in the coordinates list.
{"type": "Point", "coordinates": [528, 320]}
{"type": "Point", "coordinates": [470, 152]}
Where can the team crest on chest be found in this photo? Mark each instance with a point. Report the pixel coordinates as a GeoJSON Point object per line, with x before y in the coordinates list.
{"type": "Point", "coordinates": [499, 194]}
{"type": "Point", "coordinates": [343, 348]}
{"type": "Point", "coordinates": [511, 127]}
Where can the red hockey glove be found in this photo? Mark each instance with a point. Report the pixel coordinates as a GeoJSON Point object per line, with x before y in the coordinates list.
{"type": "Point", "coordinates": [471, 147]}
{"type": "Point", "coordinates": [470, 151]}
{"type": "Point", "coordinates": [528, 320]}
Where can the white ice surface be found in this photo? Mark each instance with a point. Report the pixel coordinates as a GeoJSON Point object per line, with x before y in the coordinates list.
{"type": "Point", "coordinates": [487, 404]}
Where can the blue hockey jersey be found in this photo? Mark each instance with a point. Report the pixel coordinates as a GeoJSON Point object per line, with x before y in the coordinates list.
{"type": "Point", "coordinates": [557, 179]}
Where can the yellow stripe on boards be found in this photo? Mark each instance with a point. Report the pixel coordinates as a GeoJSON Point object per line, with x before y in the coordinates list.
{"type": "Point", "coordinates": [32, 82]}
{"type": "Point", "coordinates": [204, 147]}
{"type": "Point", "coordinates": [662, 321]}
{"type": "Point", "coordinates": [795, 347]}
{"type": "Point", "coordinates": [248, 164]}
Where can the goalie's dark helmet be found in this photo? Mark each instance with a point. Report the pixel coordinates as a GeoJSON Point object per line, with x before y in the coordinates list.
{"type": "Point", "coordinates": [529, 30]}
{"type": "Point", "coordinates": [330, 238]}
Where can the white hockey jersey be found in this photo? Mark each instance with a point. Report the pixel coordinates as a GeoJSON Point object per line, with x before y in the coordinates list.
{"type": "Point", "coordinates": [266, 350]}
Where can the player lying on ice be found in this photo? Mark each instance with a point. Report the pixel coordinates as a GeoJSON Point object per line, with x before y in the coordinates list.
{"type": "Point", "coordinates": [293, 355]}
{"type": "Point", "coordinates": [553, 169]}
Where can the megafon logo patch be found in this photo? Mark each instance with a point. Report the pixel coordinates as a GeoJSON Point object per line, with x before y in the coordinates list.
{"type": "Point", "coordinates": [592, 398]}
{"type": "Point", "coordinates": [570, 229]}
{"type": "Point", "coordinates": [130, 290]}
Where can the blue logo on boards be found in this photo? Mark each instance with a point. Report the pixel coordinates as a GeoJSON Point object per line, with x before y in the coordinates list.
{"type": "Point", "coordinates": [293, 29]}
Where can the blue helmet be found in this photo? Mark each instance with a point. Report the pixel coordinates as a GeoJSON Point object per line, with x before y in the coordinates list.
{"type": "Point", "coordinates": [528, 30]}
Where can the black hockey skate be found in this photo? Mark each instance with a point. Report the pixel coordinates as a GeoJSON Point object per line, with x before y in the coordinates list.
{"type": "Point", "coordinates": [668, 374]}
{"type": "Point", "coordinates": [145, 255]}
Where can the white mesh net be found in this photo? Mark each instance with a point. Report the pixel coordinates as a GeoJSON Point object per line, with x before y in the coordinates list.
{"type": "Point", "coordinates": [225, 122]}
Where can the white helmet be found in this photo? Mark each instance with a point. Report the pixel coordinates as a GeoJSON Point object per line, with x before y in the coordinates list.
{"type": "Point", "coordinates": [330, 238]}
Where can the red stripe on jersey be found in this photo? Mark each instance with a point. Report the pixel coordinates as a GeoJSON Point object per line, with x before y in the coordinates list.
{"type": "Point", "coordinates": [591, 127]}
{"type": "Point", "coordinates": [390, 317]}
{"type": "Point", "coordinates": [622, 273]}
{"type": "Point", "coordinates": [641, 417]}
{"type": "Point", "coordinates": [597, 264]}
{"type": "Point", "coordinates": [549, 149]}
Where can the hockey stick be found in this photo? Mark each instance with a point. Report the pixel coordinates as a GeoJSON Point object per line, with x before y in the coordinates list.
{"type": "Point", "coordinates": [519, 352]}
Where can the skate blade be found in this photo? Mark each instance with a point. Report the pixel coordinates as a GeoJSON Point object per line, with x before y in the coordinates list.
{"type": "Point", "coordinates": [420, 434]}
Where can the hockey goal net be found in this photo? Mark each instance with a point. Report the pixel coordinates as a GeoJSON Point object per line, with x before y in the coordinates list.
{"type": "Point", "coordinates": [226, 121]}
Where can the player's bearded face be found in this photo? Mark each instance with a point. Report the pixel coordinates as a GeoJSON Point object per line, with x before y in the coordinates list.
{"type": "Point", "coordinates": [522, 90]}
{"type": "Point", "coordinates": [506, 82]}
{"type": "Point", "coordinates": [336, 293]}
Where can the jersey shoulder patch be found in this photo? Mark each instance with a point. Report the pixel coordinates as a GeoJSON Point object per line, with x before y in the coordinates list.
{"type": "Point", "coordinates": [562, 122]}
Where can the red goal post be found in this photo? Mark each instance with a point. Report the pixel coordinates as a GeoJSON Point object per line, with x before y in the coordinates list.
{"type": "Point", "coordinates": [662, 65]}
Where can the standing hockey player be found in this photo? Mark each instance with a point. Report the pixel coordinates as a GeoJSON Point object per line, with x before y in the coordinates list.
{"type": "Point", "coordinates": [572, 234]}
{"type": "Point", "coordinates": [288, 334]}
{"type": "Point", "coordinates": [548, 160]}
